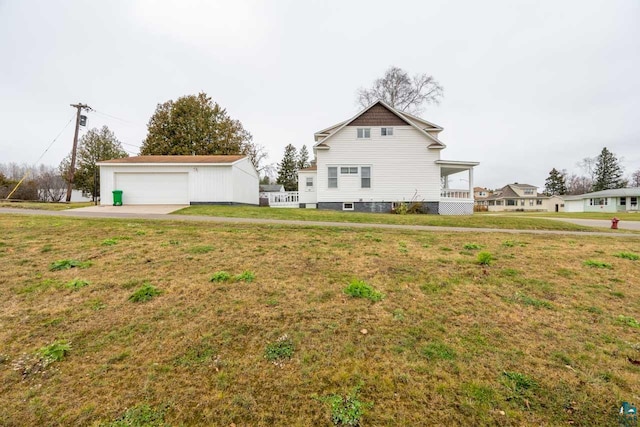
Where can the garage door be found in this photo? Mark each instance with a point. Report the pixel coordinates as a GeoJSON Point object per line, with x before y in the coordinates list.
{"type": "Point", "coordinates": [153, 188]}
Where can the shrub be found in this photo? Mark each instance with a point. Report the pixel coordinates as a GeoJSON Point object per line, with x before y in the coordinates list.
{"type": "Point", "coordinates": [220, 276]}
{"type": "Point", "coordinates": [245, 276]}
{"type": "Point", "coordinates": [279, 350]}
{"type": "Point", "coordinates": [470, 246]}
{"type": "Point", "coordinates": [76, 284]}
{"type": "Point", "coordinates": [55, 352]}
{"type": "Point", "coordinates": [201, 249]}
{"type": "Point", "coordinates": [144, 293]}
{"type": "Point", "coordinates": [484, 258]}
{"type": "Point", "coordinates": [360, 289]}
{"type": "Point", "coordinates": [65, 264]}
{"type": "Point", "coordinates": [140, 416]}
{"type": "Point", "coordinates": [629, 321]}
{"type": "Point", "coordinates": [346, 410]}
{"type": "Point", "coordinates": [519, 382]}
{"type": "Point", "coordinates": [597, 264]}
{"type": "Point", "coordinates": [627, 255]}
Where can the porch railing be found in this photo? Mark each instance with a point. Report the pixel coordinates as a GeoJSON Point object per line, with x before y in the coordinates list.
{"type": "Point", "coordinates": [455, 194]}
{"type": "Point", "coordinates": [287, 199]}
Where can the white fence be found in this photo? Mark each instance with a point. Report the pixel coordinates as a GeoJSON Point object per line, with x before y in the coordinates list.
{"type": "Point", "coordinates": [287, 199]}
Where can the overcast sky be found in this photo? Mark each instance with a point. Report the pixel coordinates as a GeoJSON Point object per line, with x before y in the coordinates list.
{"type": "Point", "coordinates": [529, 85]}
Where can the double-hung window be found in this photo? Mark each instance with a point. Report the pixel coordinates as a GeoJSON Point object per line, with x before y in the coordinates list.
{"type": "Point", "coordinates": [364, 133]}
{"type": "Point", "coordinates": [386, 131]}
{"type": "Point", "coordinates": [365, 176]}
{"type": "Point", "coordinates": [333, 177]}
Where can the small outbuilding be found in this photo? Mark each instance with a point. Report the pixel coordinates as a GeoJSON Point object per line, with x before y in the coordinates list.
{"type": "Point", "coordinates": [180, 180]}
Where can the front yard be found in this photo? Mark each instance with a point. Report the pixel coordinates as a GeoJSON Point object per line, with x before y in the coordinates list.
{"type": "Point", "coordinates": [109, 322]}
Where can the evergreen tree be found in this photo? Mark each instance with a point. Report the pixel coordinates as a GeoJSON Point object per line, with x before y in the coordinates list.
{"type": "Point", "coordinates": [303, 158]}
{"type": "Point", "coordinates": [196, 125]}
{"type": "Point", "coordinates": [288, 169]}
{"type": "Point", "coordinates": [555, 184]}
{"type": "Point", "coordinates": [608, 172]}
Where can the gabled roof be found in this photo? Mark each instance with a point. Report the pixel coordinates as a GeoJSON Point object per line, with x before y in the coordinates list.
{"type": "Point", "coordinates": [219, 159]}
{"type": "Point", "coordinates": [507, 192]}
{"type": "Point", "coordinates": [408, 118]}
{"type": "Point", "coordinates": [271, 188]}
{"type": "Point", "coordinates": [616, 192]}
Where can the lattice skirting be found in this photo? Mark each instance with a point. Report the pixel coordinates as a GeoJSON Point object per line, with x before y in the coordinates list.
{"type": "Point", "coordinates": [455, 208]}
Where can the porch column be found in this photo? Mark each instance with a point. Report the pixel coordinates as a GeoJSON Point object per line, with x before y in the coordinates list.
{"type": "Point", "coordinates": [471, 183]}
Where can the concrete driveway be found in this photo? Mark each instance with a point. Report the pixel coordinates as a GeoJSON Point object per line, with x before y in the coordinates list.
{"type": "Point", "coordinates": [132, 209]}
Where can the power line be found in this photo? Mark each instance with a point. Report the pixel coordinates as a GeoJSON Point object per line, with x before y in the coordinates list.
{"type": "Point", "coordinates": [39, 158]}
{"type": "Point", "coordinates": [116, 118]}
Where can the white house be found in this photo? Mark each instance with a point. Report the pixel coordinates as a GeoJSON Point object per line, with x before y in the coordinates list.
{"type": "Point", "coordinates": [180, 180]}
{"type": "Point", "coordinates": [616, 200]}
{"type": "Point", "coordinates": [381, 157]}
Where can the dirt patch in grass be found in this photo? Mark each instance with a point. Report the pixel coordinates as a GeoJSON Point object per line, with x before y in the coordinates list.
{"type": "Point", "coordinates": [534, 338]}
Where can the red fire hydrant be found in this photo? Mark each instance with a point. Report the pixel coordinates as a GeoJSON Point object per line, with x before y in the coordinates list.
{"type": "Point", "coordinates": [614, 223]}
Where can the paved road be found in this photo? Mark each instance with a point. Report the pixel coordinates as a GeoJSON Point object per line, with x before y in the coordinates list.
{"type": "Point", "coordinates": [77, 213]}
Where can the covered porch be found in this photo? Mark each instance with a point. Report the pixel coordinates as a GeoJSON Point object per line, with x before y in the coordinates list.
{"type": "Point", "coordinates": [456, 179]}
{"type": "Point", "coordinates": [456, 187]}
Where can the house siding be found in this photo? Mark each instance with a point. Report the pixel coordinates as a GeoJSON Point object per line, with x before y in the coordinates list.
{"type": "Point", "coordinates": [307, 196]}
{"type": "Point", "coordinates": [246, 183]}
{"type": "Point", "coordinates": [406, 151]}
{"type": "Point", "coordinates": [378, 115]}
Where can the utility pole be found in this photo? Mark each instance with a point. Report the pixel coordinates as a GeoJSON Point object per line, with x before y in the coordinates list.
{"type": "Point", "coordinates": [72, 167]}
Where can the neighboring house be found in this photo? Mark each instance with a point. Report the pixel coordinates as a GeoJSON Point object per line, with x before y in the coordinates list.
{"type": "Point", "coordinates": [182, 180]}
{"type": "Point", "coordinates": [271, 188]}
{"type": "Point", "coordinates": [480, 196]}
{"type": "Point", "coordinates": [379, 158]}
{"type": "Point", "coordinates": [616, 200]}
{"type": "Point", "coordinates": [523, 197]}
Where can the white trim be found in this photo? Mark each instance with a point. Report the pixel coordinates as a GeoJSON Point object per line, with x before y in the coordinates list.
{"type": "Point", "coordinates": [394, 111]}
{"type": "Point", "coordinates": [345, 208]}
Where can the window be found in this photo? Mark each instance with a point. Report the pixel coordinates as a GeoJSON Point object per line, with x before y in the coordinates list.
{"type": "Point", "coordinates": [333, 177]}
{"type": "Point", "coordinates": [309, 181]}
{"type": "Point", "coordinates": [634, 201]}
{"type": "Point", "coordinates": [521, 202]}
{"type": "Point", "coordinates": [530, 202]}
{"type": "Point", "coordinates": [498, 202]}
{"type": "Point", "coordinates": [365, 177]}
{"type": "Point", "coordinates": [623, 201]}
{"type": "Point", "coordinates": [511, 202]}
{"type": "Point", "coordinates": [528, 191]}
{"type": "Point", "coordinates": [364, 133]}
{"type": "Point", "coordinates": [349, 170]}
{"type": "Point", "coordinates": [347, 206]}
{"type": "Point", "coordinates": [599, 202]}
{"type": "Point", "coordinates": [492, 203]}
{"type": "Point", "coordinates": [386, 131]}
{"type": "Point", "coordinates": [538, 202]}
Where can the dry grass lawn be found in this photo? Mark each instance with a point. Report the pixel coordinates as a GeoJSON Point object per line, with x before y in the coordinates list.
{"type": "Point", "coordinates": [537, 337]}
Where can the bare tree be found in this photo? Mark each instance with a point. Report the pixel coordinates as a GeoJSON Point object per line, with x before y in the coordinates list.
{"type": "Point", "coordinates": [51, 185]}
{"type": "Point", "coordinates": [634, 181]}
{"type": "Point", "coordinates": [588, 165]}
{"type": "Point", "coordinates": [402, 92]}
{"type": "Point", "coordinates": [577, 184]}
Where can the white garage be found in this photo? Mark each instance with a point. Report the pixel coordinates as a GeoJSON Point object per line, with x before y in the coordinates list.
{"type": "Point", "coordinates": [179, 180]}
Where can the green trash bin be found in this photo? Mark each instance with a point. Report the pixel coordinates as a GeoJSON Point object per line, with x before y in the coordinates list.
{"type": "Point", "coordinates": [117, 197]}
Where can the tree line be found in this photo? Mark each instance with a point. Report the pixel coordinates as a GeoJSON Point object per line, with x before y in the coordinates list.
{"type": "Point", "coordinates": [603, 172]}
